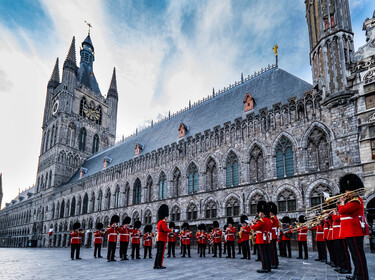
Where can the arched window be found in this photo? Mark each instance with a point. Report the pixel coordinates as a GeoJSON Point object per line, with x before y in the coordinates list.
{"type": "Point", "coordinates": [192, 212]}
{"type": "Point", "coordinates": [108, 197]}
{"type": "Point", "coordinates": [55, 135]}
{"type": "Point", "coordinates": [232, 207]}
{"type": "Point", "coordinates": [82, 139]}
{"type": "Point", "coordinates": [286, 201]}
{"type": "Point", "coordinates": [211, 209]}
{"type": "Point", "coordinates": [211, 175]}
{"type": "Point", "coordinates": [162, 186]}
{"type": "Point", "coordinates": [99, 120]}
{"type": "Point", "coordinates": [82, 106]}
{"type": "Point", "coordinates": [92, 202]}
{"type": "Point", "coordinates": [135, 217]}
{"type": "Point", "coordinates": [85, 204]}
{"type": "Point", "coordinates": [175, 214]}
{"type": "Point", "coordinates": [100, 200]}
{"type": "Point", "coordinates": [95, 144]}
{"type": "Point", "coordinates": [317, 150]}
{"type": "Point", "coordinates": [284, 158]}
{"type": "Point", "coordinates": [117, 197]}
{"type": "Point", "coordinates": [71, 135]}
{"type": "Point", "coordinates": [62, 209]}
{"type": "Point", "coordinates": [148, 217]}
{"type": "Point", "coordinates": [73, 207]}
{"type": "Point", "coordinates": [149, 189]}
{"type": "Point", "coordinates": [137, 191]}
{"type": "Point", "coordinates": [127, 194]}
{"type": "Point", "coordinates": [232, 176]}
{"type": "Point", "coordinates": [50, 179]}
{"type": "Point", "coordinates": [52, 135]}
{"type": "Point", "coordinates": [176, 182]}
{"type": "Point", "coordinates": [192, 178]}
{"type": "Point", "coordinates": [254, 202]}
{"type": "Point", "coordinates": [256, 165]}
{"type": "Point", "coordinates": [317, 194]}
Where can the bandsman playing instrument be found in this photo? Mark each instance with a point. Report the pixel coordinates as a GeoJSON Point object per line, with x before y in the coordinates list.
{"type": "Point", "coordinates": [75, 243]}
{"type": "Point", "coordinates": [162, 235]}
{"type": "Point", "coordinates": [209, 240]}
{"type": "Point", "coordinates": [216, 236]}
{"type": "Point", "coordinates": [286, 236]}
{"type": "Point", "coordinates": [172, 236]}
{"type": "Point", "coordinates": [112, 232]}
{"type": "Point", "coordinates": [230, 234]}
{"type": "Point", "coordinates": [319, 238]}
{"type": "Point", "coordinates": [239, 239]}
{"type": "Point", "coordinates": [244, 233]}
{"type": "Point", "coordinates": [147, 240]}
{"type": "Point", "coordinates": [136, 240]}
{"type": "Point", "coordinates": [302, 237]}
{"type": "Point", "coordinates": [124, 233]}
{"type": "Point", "coordinates": [98, 239]}
{"type": "Point", "coordinates": [201, 236]}
{"type": "Point", "coordinates": [185, 237]}
{"type": "Point", "coordinates": [224, 239]}
{"type": "Point", "coordinates": [275, 231]}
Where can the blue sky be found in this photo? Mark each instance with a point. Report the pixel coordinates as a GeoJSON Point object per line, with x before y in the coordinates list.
{"type": "Point", "coordinates": [165, 52]}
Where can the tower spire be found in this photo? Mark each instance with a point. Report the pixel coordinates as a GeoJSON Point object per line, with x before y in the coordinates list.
{"type": "Point", "coordinates": [113, 85]}
{"type": "Point", "coordinates": [55, 77]}
{"type": "Point", "coordinates": [71, 60]}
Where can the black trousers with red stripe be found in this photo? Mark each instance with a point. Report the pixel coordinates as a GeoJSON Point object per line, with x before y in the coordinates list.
{"type": "Point", "coordinates": [322, 252]}
{"type": "Point", "coordinates": [355, 245]}
{"type": "Point", "coordinates": [160, 247]}
{"type": "Point", "coordinates": [302, 244]}
{"type": "Point", "coordinates": [265, 255]}
{"type": "Point", "coordinates": [246, 249]}
{"type": "Point", "coordinates": [274, 256]}
{"type": "Point", "coordinates": [341, 254]}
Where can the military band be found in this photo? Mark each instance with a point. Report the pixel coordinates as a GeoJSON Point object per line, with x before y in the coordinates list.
{"type": "Point", "coordinates": [75, 242]}
{"type": "Point", "coordinates": [98, 239]}
{"type": "Point", "coordinates": [124, 233]}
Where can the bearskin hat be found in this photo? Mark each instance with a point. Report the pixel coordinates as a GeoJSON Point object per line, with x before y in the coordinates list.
{"type": "Point", "coordinates": [115, 219]}
{"type": "Point", "coordinates": [202, 227]}
{"type": "Point", "coordinates": [148, 228]}
{"type": "Point", "coordinates": [185, 225]}
{"type": "Point", "coordinates": [163, 211]}
{"type": "Point", "coordinates": [286, 220]}
{"type": "Point", "coordinates": [302, 219]}
{"type": "Point", "coordinates": [126, 220]}
{"type": "Point", "coordinates": [244, 218]}
{"type": "Point", "coordinates": [216, 224]}
{"type": "Point", "coordinates": [273, 207]}
{"type": "Point", "coordinates": [230, 221]}
{"type": "Point", "coordinates": [172, 225]}
{"type": "Point", "coordinates": [210, 229]}
{"type": "Point", "coordinates": [137, 224]}
{"type": "Point", "coordinates": [99, 226]}
{"type": "Point", "coordinates": [263, 207]}
{"type": "Point", "coordinates": [350, 182]}
{"type": "Point", "coordinates": [225, 227]}
{"type": "Point", "coordinates": [76, 226]}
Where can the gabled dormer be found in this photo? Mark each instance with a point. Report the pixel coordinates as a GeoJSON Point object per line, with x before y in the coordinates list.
{"type": "Point", "coordinates": [82, 171]}
{"type": "Point", "coordinates": [137, 149]}
{"type": "Point", "coordinates": [182, 129]}
{"type": "Point", "coordinates": [106, 161]}
{"type": "Point", "coordinates": [248, 102]}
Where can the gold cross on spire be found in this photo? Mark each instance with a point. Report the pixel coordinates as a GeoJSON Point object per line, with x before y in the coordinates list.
{"type": "Point", "coordinates": [89, 25]}
{"type": "Point", "coordinates": [275, 49]}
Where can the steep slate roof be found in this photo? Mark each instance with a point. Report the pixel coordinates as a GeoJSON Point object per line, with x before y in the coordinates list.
{"type": "Point", "coordinates": [271, 87]}
{"type": "Point", "coordinates": [23, 196]}
{"type": "Point", "coordinates": [87, 78]}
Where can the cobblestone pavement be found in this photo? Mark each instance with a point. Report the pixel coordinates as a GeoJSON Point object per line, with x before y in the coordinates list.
{"type": "Point", "coordinates": [55, 263]}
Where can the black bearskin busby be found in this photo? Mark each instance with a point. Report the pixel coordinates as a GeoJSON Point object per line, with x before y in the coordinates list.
{"type": "Point", "coordinates": [163, 211]}
{"type": "Point", "coordinates": [286, 220]}
{"type": "Point", "coordinates": [202, 227]}
{"type": "Point", "coordinates": [148, 228]}
{"type": "Point", "coordinates": [115, 219]}
{"type": "Point", "coordinates": [273, 207]}
{"type": "Point", "coordinates": [172, 225]}
{"type": "Point", "coordinates": [230, 221]}
{"type": "Point", "coordinates": [137, 224]}
{"type": "Point", "coordinates": [225, 227]}
{"type": "Point", "coordinates": [302, 219]}
{"type": "Point", "coordinates": [126, 220]}
{"type": "Point", "coordinates": [99, 226]}
{"type": "Point", "coordinates": [216, 224]}
{"type": "Point", "coordinates": [263, 207]}
{"type": "Point", "coordinates": [76, 226]}
{"type": "Point", "coordinates": [185, 225]}
{"type": "Point", "coordinates": [244, 218]}
{"type": "Point", "coordinates": [350, 182]}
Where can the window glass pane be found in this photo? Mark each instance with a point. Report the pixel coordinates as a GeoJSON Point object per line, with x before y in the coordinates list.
{"type": "Point", "coordinates": [195, 215]}
{"type": "Point", "coordinates": [208, 213]}
{"type": "Point", "coordinates": [229, 175]}
{"type": "Point", "coordinates": [253, 209]}
{"type": "Point", "coordinates": [280, 164]}
{"type": "Point", "coordinates": [373, 149]}
{"type": "Point", "coordinates": [282, 206]}
{"type": "Point", "coordinates": [292, 205]}
{"type": "Point", "coordinates": [372, 131]}
{"type": "Point", "coordinates": [229, 211]}
{"type": "Point", "coordinates": [189, 215]}
{"type": "Point", "coordinates": [214, 213]}
{"type": "Point", "coordinates": [315, 201]}
{"type": "Point", "coordinates": [236, 210]}
{"type": "Point", "coordinates": [289, 161]}
{"type": "Point", "coordinates": [178, 217]}
{"type": "Point", "coordinates": [235, 174]}
{"type": "Point", "coordinates": [195, 182]}
{"type": "Point", "coordinates": [190, 183]}
{"type": "Point", "coordinates": [370, 101]}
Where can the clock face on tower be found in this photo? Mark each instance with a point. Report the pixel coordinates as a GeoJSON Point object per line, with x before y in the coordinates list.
{"type": "Point", "coordinates": [55, 107]}
{"type": "Point", "coordinates": [90, 112]}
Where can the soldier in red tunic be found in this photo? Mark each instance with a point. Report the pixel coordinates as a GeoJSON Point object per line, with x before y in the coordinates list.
{"type": "Point", "coordinates": [263, 227]}
{"type": "Point", "coordinates": [286, 236]}
{"type": "Point", "coordinates": [239, 239]}
{"type": "Point", "coordinates": [353, 224]}
{"type": "Point", "coordinates": [320, 243]}
{"type": "Point", "coordinates": [216, 238]}
{"type": "Point", "coordinates": [172, 240]}
{"type": "Point", "coordinates": [185, 236]}
{"type": "Point", "coordinates": [136, 239]}
{"type": "Point", "coordinates": [75, 242]}
{"type": "Point", "coordinates": [162, 235]}
{"type": "Point", "coordinates": [230, 233]}
{"type": "Point", "coordinates": [209, 241]}
{"type": "Point", "coordinates": [124, 233]}
{"type": "Point", "coordinates": [112, 232]}
{"type": "Point", "coordinates": [302, 238]}
{"type": "Point", "coordinates": [147, 240]}
{"type": "Point", "coordinates": [98, 239]}
{"type": "Point", "coordinates": [201, 236]}
{"type": "Point", "coordinates": [245, 231]}
{"type": "Point", "coordinates": [275, 231]}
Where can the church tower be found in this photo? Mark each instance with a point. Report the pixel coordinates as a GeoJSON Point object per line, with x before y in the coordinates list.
{"type": "Point", "coordinates": [78, 120]}
{"type": "Point", "coordinates": [331, 44]}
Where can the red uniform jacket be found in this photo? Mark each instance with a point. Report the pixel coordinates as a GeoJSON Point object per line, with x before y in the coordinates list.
{"type": "Point", "coordinates": [201, 237]}
{"type": "Point", "coordinates": [147, 239]}
{"type": "Point", "coordinates": [216, 235]}
{"type": "Point", "coordinates": [112, 234]}
{"type": "Point", "coordinates": [98, 237]}
{"type": "Point", "coordinates": [319, 233]}
{"type": "Point", "coordinates": [352, 213]}
{"type": "Point", "coordinates": [246, 230]}
{"type": "Point", "coordinates": [325, 230]}
{"type": "Point", "coordinates": [125, 232]}
{"type": "Point", "coordinates": [231, 231]}
{"type": "Point", "coordinates": [172, 236]}
{"type": "Point", "coordinates": [287, 231]}
{"type": "Point", "coordinates": [302, 233]}
{"type": "Point", "coordinates": [275, 227]}
{"type": "Point", "coordinates": [330, 230]}
{"type": "Point", "coordinates": [262, 228]}
{"type": "Point", "coordinates": [76, 237]}
{"type": "Point", "coordinates": [163, 231]}
{"type": "Point", "coordinates": [136, 236]}
{"type": "Point", "coordinates": [336, 226]}
{"type": "Point", "coordinates": [185, 237]}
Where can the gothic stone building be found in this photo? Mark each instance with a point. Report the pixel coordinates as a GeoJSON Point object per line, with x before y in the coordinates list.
{"type": "Point", "coordinates": [269, 136]}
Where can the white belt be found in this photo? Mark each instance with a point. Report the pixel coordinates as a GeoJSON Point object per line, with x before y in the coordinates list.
{"type": "Point", "coordinates": [320, 233]}
{"type": "Point", "coordinates": [346, 218]}
{"type": "Point", "coordinates": [275, 228]}
{"type": "Point", "coordinates": [113, 234]}
{"type": "Point", "coordinates": [337, 226]}
{"type": "Point", "coordinates": [331, 229]}
{"type": "Point", "coordinates": [122, 234]}
{"type": "Point", "coordinates": [76, 237]}
{"type": "Point", "coordinates": [230, 233]}
{"type": "Point", "coordinates": [302, 233]}
{"type": "Point", "coordinates": [325, 228]}
{"type": "Point", "coordinates": [259, 232]}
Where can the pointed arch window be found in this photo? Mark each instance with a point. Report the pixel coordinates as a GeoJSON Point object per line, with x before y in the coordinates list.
{"type": "Point", "coordinates": [176, 182]}
{"type": "Point", "coordinates": [100, 200]}
{"type": "Point", "coordinates": [82, 139]}
{"type": "Point", "coordinates": [317, 194]}
{"type": "Point", "coordinates": [317, 150]}
{"type": "Point", "coordinates": [286, 201]}
{"type": "Point", "coordinates": [147, 217]}
{"type": "Point", "coordinates": [117, 197]}
{"type": "Point", "coordinates": [50, 179]}
{"type": "Point", "coordinates": [192, 178]}
{"type": "Point", "coordinates": [95, 144]}
{"type": "Point", "coordinates": [232, 175]}
{"type": "Point", "coordinates": [73, 207]}
{"type": "Point", "coordinates": [211, 175]}
{"type": "Point", "coordinates": [192, 212]}
{"type": "Point", "coordinates": [108, 197]}
{"type": "Point", "coordinates": [175, 214]}
{"type": "Point", "coordinates": [71, 135]}
{"type": "Point", "coordinates": [232, 207]}
{"type": "Point", "coordinates": [100, 112]}
{"type": "Point", "coordinates": [62, 209]}
{"type": "Point", "coordinates": [149, 189]}
{"type": "Point", "coordinates": [82, 106]}
{"type": "Point", "coordinates": [256, 165]}
{"type": "Point", "coordinates": [85, 204]}
{"type": "Point", "coordinates": [254, 202]}
{"type": "Point", "coordinates": [284, 158]}
{"type": "Point", "coordinates": [137, 192]}
{"type": "Point", "coordinates": [211, 209]}
{"type": "Point", "coordinates": [162, 186]}
{"type": "Point", "coordinates": [53, 211]}
{"type": "Point", "coordinates": [92, 202]}
{"type": "Point", "coordinates": [127, 194]}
